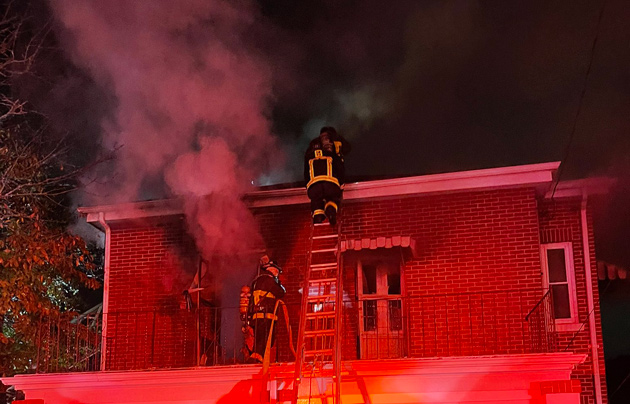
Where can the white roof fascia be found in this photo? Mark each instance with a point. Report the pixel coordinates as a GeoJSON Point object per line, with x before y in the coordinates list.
{"type": "Point", "coordinates": [532, 174]}
{"type": "Point", "coordinates": [132, 210]}
{"type": "Point", "coordinates": [492, 178]}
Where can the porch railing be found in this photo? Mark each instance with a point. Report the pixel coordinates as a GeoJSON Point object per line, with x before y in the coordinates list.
{"type": "Point", "coordinates": [542, 324]}
{"type": "Point", "coordinates": [68, 344]}
{"type": "Point", "coordinates": [464, 324]}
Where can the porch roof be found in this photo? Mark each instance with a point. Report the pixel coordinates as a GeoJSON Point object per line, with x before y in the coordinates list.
{"type": "Point", "coordinates": [379, 242]}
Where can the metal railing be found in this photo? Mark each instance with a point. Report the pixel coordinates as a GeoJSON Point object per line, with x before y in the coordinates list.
{"type": "Point", "coordinates": [464, 324]}
{"type": "Point", "coordinates": [68, 344]}
{"type": "Point", "coordinates": [541, 323]}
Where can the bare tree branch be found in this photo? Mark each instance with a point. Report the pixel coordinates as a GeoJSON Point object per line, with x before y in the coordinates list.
{"type": "Point", "coordinates": [16, 59]}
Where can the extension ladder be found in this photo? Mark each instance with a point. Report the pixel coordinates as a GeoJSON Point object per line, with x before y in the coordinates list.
{"type": "Point", "coordinates": [318, 362]}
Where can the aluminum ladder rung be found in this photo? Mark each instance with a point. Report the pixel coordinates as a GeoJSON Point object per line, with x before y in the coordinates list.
{"type": "Point", "coordinates": [323, 269]}
{"type": "Point", "coordinates": [319, 352]}
{"type": "Point", "coordinates": [322, 280]}
{"type": "Point", "coordinates": [317, 333]}
{"type": "Point", "coordinates": [324, 265]}
{"type": "Point", "coordinates": [319, 297]}
{"type": "Point", "coordinates": [322, 314]}
{"type": "Point", "coordinates": [324, 237]}
{"type": "Point", "coordinates": [324, 250]}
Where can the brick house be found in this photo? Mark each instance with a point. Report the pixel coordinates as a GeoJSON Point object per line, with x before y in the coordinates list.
{"type": "Point", "coordinates": [474, 286]}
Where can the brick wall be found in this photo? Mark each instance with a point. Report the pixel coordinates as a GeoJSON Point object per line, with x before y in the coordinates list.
{"type": "Point", "coordinates": [560, 221]}
{"type": "Point", "coordinates": [476, 274]}
{"type": "Point", "coordinates": [151, 264]}
{"type": "Point", "coordinates": [478, 244]}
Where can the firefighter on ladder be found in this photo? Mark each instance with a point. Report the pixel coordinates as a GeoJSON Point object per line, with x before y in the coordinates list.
{"type": "Point", "coordinates": [324, 173]}
{"type": "Point", "coordinates": [266, 291]}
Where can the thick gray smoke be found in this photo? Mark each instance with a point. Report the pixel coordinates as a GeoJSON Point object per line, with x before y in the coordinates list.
{"type": "Point", "coordinates": [192, 104]}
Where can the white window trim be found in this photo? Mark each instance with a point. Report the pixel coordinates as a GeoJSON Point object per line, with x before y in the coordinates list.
{"type": "Point", "coordinates": [563, 324]}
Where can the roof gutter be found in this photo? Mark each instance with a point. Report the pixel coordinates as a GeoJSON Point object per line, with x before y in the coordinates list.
{"type": "Point", "coordinates": [590, 302]}
{"type": "Point", "coordinates": [108, 238]}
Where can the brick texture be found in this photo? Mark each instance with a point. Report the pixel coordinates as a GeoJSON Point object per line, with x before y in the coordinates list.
{"type": "Point", "coordinates": [475, 276]}
{"type": "Point", "coordinates": [560, 221]}
{"type": "Point", "coordinates": [146, 327]}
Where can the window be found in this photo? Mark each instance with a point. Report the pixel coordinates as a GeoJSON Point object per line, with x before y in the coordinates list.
{"type": "Point", "coordinates": [381, 309]}
{"type": "Point", "coordinates": [559, 275]}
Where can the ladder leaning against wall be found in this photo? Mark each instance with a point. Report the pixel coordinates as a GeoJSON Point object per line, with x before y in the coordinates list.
{"type": "Point", "coordinates": [318, 362]}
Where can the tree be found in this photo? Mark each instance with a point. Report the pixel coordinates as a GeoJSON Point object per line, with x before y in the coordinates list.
{"type": "Point", "coordinates": [42, 265]}
{"type": "Point", "coordinates": [18, 50]}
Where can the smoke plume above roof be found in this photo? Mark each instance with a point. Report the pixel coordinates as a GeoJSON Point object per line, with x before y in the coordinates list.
{"type": "Point", "coordinates": [192, 102]}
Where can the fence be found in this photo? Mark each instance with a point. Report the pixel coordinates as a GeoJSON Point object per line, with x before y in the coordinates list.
{"type": "Point", "coordinates": [484, 323]}
{"type": "Point", "coordinates": [463, 324]}
{"type": "Point", "coordinates": [68, 344]}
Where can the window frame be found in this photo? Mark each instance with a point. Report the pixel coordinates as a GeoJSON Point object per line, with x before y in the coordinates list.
{"type": "Point", "coordinates": [361, 297]}
{"type": "Point", "coordinates": [562, 324]}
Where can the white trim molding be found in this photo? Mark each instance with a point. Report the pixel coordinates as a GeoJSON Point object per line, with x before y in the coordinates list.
{"type": "Point", "coordinates": [571, 323]}
{"type": "Point", "coordinates": [491, 178]}
{"type": "Point", "coordinates": [488, 379]}
{"type": "Point", "coordinates": [131, 211]}
{"type": "Point", "coordinates": [539, 175]}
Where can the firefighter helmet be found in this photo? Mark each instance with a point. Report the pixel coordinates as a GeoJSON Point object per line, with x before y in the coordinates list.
{"type": "Point", "coordinates": [328, 129]}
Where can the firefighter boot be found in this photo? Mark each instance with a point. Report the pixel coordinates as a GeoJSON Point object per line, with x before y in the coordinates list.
{"type": "Point", "coordinates": [331, 212]}
{"type": "Point", "coordinates": [318, 216]}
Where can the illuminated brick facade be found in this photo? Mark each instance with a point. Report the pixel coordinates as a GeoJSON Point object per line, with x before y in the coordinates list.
{"type": "Point", "coordinates": [145, 285]}
{"type": "Point", "coordinates": [469, 243]}
{"type": "Point", "coordinates": [473, 274]}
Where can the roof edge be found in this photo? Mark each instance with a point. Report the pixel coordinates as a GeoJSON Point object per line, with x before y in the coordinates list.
{"type": "Point", "coordinates": [489, 178]}
{"type": "Point", "coordinates": [581, 187]}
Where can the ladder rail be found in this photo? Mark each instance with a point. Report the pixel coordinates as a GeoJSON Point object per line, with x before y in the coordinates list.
{"type": "Point", "coordinates": [320, 355]}
{"type": "Point", "coordinates": [299, 359]}
{"type": "Point", "coordinates": [338, 319]}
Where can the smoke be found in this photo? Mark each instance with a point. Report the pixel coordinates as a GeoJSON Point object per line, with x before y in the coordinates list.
{"type": "Point", "coordinates": [192, 104]}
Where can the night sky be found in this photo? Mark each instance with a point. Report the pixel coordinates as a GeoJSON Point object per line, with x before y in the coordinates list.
{"type": "Point", "coordinates": [418, 87]}
{"type": "Point", "coordinates": [451, 85]}
{"type": "Point", "coordinates": [238, 88]}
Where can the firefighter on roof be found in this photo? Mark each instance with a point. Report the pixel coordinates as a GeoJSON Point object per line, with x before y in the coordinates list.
{"type": "Point", "coordinates": [266, 291]}
{"type": "Point", "coordinates": [324, 173]}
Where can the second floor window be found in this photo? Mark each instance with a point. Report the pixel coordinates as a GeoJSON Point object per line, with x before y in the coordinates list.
{"type": "Point", "coordinates": [381, 309]}
{"type": "Point", "coordinates": [559, 276]}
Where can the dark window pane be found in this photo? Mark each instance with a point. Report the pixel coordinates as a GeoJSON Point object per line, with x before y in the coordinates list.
{"type": "Point", "coordinates": [369, 315]}
{"type": "Point", "coordinates": [395, 315]}
{"type": "Point", "coordinates": [393, 280]}
{"type": "Point", "coordinates": [561, 303]}
{"type": "Point", "coordinates": [557, 265]}
{"type": "Point", "coordinates": [369, 279]}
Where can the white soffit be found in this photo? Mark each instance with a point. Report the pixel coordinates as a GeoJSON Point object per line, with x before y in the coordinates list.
{"type": "Point", "coordinates": [132, 210]}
